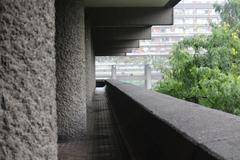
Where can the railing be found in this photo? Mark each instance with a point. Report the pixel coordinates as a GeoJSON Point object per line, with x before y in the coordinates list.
{"type": "Point", "coordinates": [143, 73]}
{"type": "Point", "coordinates": [157, 126]}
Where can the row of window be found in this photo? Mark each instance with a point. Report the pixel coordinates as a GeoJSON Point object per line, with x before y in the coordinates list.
{"type": "Point", "coordinates": [206, 20]}
{"type": "Point", "coordinates": [193, 29]}
{"type": "Point", "coordinates": [190, 21]}
{"type": "Point", "coordinates": [151, 49]}
{"type": "Point", "coordinates": [161, 40]}
{"type": "Point", "coordinates": [178, 11]}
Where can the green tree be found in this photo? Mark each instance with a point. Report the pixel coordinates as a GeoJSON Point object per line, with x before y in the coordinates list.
{"type": "Point", "coordinates": [205, 70]}
{"type": "Point", "coordinates": [229, 12]}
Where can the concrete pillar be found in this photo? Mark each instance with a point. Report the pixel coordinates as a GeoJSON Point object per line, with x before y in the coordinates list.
{"type": "Point", "coordinates": [28, 128]}
{"type": "Point", "coordinates": [148, 78]}
{"type": "Point", "coordinates": [70, 71]}
{"type": "Point", "coordinates": [114, 72]}
{"type": "Point", "coordinates": [90, 65]}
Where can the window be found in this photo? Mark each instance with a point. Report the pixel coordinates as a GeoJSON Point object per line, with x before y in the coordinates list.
{"type": "Point", "coordinates": [189, 21]}
{"type": "Point", "coordinates": [179, 21]}
{"type": "Point", "coordinates": [164, 39]}
{"type": "Point", "coordinates": [178, 11]}
{"type": "Point", "coordinates": [179, 30]}
{"type": "Point", "coordinates": [202, 21]}
{"type": "Point", "coordinates": [163, 30]}
{"type": "Point", "coordinates": [202, 11]}
{"type": "Point", "coordinates": [189, 30]}
{"type": "Point", "coordinates": [188, 11]}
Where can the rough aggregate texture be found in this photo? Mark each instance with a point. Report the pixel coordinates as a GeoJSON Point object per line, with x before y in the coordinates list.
{"type": "Point", "coordinates": [70, 71]}
{"type": "Point", "coordinates": [28, 129]}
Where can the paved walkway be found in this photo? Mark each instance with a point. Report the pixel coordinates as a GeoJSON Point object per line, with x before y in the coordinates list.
{"type": "Point", "coordinates": [72, 151]}
{"type": "Point", "coordinates": [105, 142]}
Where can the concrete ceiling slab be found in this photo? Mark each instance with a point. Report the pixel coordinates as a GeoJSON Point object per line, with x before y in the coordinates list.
{"type": "Point", "coordinates": [112, 52]}
{"type": "Point", "coordinates": [126, 3]}
{"type": "Point", "coordinates": [123, 33]}
{"type": "Point", "coordinates": [129, 16]}
{"type": "Point", "coordinates": [101, 44]}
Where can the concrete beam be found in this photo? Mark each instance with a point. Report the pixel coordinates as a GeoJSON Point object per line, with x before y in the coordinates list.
{"type": "Point", "coordinates": [123, 33]}
{"type": "Point", "coordinates": [172, 3]}
{"type": "Point", "coordinates": [113, 52]}
{"type": "Point", "coordinates": [110, 54]}
{"type": "Point", "coordinates": [126, 3]}
{"type": "Point", "coordinates": [129, 16]}
{"type": "Point", "coordinates": [116, 44]}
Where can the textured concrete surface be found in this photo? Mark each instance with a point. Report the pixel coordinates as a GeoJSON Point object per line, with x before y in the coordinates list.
{"type": "Point", "coordinates": [90, 63]}
{"type": "Point", "coordinates": [28, 129]}
{"type": "Point", "coordinates": [76, 150]}
{"type": "Point", "coordinates": [70, 71]}
{"type": "Point", "coordinates": [175, 128]}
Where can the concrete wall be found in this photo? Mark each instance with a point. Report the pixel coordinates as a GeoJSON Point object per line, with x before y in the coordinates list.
{"type": "Point", "coordinates": [70, 71]}
{"type": "Point", "coordinates": [90, 65]}
{"type": "Point", "coordinates": [158, 126]}
{"type": "Point", "coordinates": [27, 80]}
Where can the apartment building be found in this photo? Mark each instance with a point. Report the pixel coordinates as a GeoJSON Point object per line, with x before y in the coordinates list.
{"type": "Point", "coordinates": [191, 17]}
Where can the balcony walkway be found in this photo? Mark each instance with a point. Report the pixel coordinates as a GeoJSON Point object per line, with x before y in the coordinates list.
{"type": "Point", "coordinates": [154, 126]}
{"type": "Point", "coordinates": [104, 140]}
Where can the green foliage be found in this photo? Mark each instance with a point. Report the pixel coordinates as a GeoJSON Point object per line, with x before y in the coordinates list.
{"type": "Point", "coordinates": [229, 12]}
{"type": "Point", "coordinates": [206, 70]}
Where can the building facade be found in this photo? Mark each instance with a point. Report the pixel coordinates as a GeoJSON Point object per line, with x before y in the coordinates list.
{"type": "Point", "coordinates": [191, 17]}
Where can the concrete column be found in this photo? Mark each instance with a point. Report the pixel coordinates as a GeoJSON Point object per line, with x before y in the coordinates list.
{"type": "Point", "coordinates": [90, 63]}
{"type": "Point", "coordinates": [148, 78]}
{"type": "Point", "coordinates": [114, 72]}
{"type": "Point", "coordinates": [28, 128]}
{"type": "Point", "coordinates": [70, 71]}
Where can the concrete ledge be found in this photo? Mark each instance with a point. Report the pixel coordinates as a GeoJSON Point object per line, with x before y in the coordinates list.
{"type": "Point", "coordinates": [122, 33]}
{"type": "Point", "coordinates": [130, 3]}
{"type": "Point", "coordinates": [103, 44]}
{"type": "Point", "coordinates": [129, 16]}
{"type": "Point", "coordinates": [158, 126]}
{"type": "Point", "coordinates": [110, 54]}
{"type": "Point", "coordinates": [113, 52]}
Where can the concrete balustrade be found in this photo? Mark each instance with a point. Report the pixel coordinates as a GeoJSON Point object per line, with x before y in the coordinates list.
{"type": "Point", "coordinates": [158, 126]}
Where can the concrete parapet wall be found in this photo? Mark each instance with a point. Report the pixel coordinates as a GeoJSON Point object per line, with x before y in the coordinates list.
{"type": "Point", "coordinates": [158, 126]}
